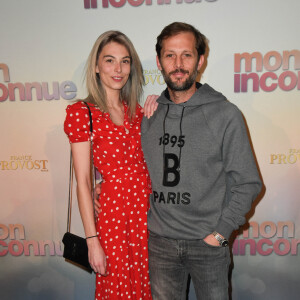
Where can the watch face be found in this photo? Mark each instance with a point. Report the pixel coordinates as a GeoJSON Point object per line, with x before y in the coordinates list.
{"type": "Point", "coordinates": [224, 243]}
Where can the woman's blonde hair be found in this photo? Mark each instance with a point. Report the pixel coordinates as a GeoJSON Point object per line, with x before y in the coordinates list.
{"type": "Point", "coordinates": [131, 91]}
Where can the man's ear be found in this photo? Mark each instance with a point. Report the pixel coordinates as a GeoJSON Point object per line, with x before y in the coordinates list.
{"type": "Point", "coordinates": [200, 63]}
{"type": "Point", "coordinates": [158, 63]}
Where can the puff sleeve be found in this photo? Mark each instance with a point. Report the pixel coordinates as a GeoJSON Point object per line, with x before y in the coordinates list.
{"type": "Point", "coordinates": [77, 123]}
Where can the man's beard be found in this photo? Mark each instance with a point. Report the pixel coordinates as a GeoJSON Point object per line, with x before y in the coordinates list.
{"type": "Point", "coordinates": [184, 86]}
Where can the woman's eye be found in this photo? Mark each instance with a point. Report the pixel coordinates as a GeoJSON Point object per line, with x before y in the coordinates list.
{"type": "Point", "coordinates": [126, 61]}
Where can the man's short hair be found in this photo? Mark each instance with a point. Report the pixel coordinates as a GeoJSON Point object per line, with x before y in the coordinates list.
{"type": "Point", "coordinates": [179, 27]}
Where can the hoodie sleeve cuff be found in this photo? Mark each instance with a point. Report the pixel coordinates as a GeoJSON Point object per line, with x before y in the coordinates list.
{"type": "Point", "coordinates": [224, 229]}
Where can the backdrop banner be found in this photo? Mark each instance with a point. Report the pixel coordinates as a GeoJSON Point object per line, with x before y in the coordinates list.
{"type": "Point", "coordinates": [253, 59]}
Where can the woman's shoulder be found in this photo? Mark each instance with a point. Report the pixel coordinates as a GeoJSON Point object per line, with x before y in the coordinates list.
{"type": "Point", "coordinates": [77, 121]}
{"type": "Point", "coordinates": [78, 106]}
{"type": "Point", "coordinates": [81, 108]}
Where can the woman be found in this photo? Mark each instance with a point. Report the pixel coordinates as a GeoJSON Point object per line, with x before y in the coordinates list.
{"type": "Point", "coordinates": [117, 243]}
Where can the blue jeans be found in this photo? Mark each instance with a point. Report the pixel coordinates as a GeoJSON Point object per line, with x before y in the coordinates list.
{"type": "Point", "coordinates": [170, 262]}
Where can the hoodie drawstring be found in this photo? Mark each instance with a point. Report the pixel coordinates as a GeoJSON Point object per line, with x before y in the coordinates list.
{"type": "Point", "coordinates": [180, 129]}
{"type": "Point", "coordinates": [180, 126]}
{"type": "Point", "coordinates": [164, 129]}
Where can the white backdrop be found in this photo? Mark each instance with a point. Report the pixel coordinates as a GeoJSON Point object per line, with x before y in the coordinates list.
{"type": "Point", "coordinates": [45, 44]}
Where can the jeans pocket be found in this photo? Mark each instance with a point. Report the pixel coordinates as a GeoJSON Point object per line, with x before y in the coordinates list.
{"type": "Point", "coordinates": [211, 246]}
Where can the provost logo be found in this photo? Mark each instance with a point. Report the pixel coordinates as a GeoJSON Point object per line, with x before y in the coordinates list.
{"type": "Point", "coordinates": [153, 76]}
{"type": "Point", "coordinates": [23, 162]}
{"type": "Point", "coordinates": [119, 3]}
{"type": "Point", "coordinates": [273, 70]}
{"type": "Point", "coordinates": [24, 91]}
{"type": "Point", "coordinates": [292, 156]}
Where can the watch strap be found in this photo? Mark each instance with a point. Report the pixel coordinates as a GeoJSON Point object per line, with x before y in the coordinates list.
{"type": "Point", "coordinates": [222, 241]}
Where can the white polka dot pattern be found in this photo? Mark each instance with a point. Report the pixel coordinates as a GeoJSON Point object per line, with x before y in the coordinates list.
{"type": "Point", "coordinates": [122, 222]}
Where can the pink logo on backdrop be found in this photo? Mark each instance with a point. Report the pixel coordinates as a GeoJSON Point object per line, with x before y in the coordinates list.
{"type": "Point", "coordinates": [119, 3]}
{"type": "Point", "coordinates": [26, 91]}
{"type": "Point", "coordinates": [273, 70]}
{"type": "Point", "coordinates": [267, 238]}
{"type": "Point", "coordinates": [90, 3]}
{"type": "Point", "coordinates": [13, 242]}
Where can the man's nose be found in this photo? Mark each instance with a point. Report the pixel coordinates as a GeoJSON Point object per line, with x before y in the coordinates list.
{"type": "Point", "coordinates": [178, 62]}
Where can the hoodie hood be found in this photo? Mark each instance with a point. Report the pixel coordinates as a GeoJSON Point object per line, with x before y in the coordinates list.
{"type": "Point", "coordinates": [204, 95]}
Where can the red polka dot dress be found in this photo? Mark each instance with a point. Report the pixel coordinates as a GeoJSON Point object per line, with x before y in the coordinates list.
{"type": "Point", "coordinates": [122, 222]}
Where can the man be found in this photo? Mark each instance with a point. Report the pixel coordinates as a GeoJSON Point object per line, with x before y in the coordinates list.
{"type": "Point", "coordinates": [204, 177]}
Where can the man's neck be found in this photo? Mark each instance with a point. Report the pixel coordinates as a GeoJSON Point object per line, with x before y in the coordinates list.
{"type": "Point", "coordinates": [182, 96]}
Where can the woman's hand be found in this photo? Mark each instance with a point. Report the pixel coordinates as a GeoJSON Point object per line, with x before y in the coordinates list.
{"type": "Point", "coordinates": [150, 106]}
{"type": "Point", "coordinates": [97, 258]}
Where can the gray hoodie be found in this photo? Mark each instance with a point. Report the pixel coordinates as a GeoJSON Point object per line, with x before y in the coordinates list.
{"type": "Point", "coordinates": [204, 177]}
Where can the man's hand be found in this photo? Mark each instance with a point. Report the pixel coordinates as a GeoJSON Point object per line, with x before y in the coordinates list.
{"type": "Point", "coordinates": [211, 240]}
{"type": "Point", "coordinates": [97, 192]}
{"type": "Point", "coordinates": [150, 106]}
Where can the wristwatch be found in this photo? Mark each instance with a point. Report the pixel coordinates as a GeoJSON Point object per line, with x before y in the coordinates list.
{"type": "Point", "coordinates": [222, 241]}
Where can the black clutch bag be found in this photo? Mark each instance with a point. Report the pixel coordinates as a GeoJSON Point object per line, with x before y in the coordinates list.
{"type": "Point", "coordinates": [75, 247]}
{"type": "Point", "coordinates": [76, 250]}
